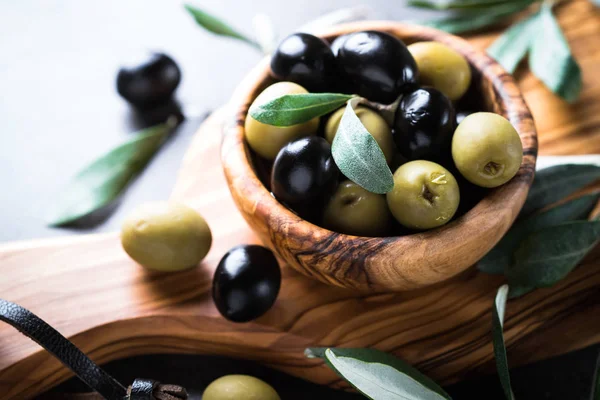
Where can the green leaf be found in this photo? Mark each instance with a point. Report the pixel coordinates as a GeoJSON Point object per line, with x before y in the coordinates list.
{"type": "Point", "coordinates": [555, 183]}
{"type": "Point", "coordinates": [217, 26]}
{"type": "Point", "coordinates": [547, 256]}
{"type": "Point", "coordinates": [550, 58]}
{"type": "Point", "coordinates": [596, 381]}
{"type": "Point", "coordinates": [499, 258]}
{"type": "Point", "coordinates": [379, 375]}
{"type": "Point", "coordinates": [510, 48]}
{"type": "Point", "coordinates": [518, 291]}
{"type": "Point", "coordinates": [359, 157]}
{"type": "Point", "coordinates": [292, 109]}
{"type": "Point", "coordinates": [471, 21]}
{"type": "Point", "coordinates": [454, 4]}
{"type": "Point", "coordinates": [498, 339]}
{"type": "Point", "coordinates": [103, 180]}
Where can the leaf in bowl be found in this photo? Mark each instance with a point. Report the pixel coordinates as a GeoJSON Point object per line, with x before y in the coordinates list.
{"type": "Point", "coordinates": [498, 341]}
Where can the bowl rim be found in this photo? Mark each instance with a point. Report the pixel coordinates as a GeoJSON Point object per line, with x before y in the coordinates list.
{"type": "Point", "coordinates": [270, 218]}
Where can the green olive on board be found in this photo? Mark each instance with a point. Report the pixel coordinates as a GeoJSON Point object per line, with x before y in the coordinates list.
{"type": "Point", "coordinates": [373, 122]}
{"type": "Point", "coordinates": [267, 140]}
{"type": "Point", "coordinates": [165, 236]}
{"type": "Point", "coordinates": [356, 211]}
{"type": "Point", "coordinates": [442, 67]}
{"type": "Point", "coordinates": [487, 149]}
{"type": "Point", "coordinates": [425, 195]}
{"type": "Point", "coordinates": [239, 387]}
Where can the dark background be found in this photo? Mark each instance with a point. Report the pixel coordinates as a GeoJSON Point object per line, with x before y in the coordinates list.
{"type": "Point", "coordinates": [60, 110]}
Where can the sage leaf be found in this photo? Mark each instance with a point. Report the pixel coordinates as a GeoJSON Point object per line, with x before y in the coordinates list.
{"type": "Point", "coordinates": [471, 21]}
{"type": "Point", "coordinates": [217, 26]}
{"type": "Point", "coordinates": [550, 58]}
{"type": "Point", "coordinates": [547, 256]}
{"type": "Point", "coordinates": [510, 48]}
{"type": "Point", "coordinates": [499, 258]}
{"type": "Point", "coordinates": [518, 291]}
{"type": "Point", "coordinates": [359, 157]}
{"type": "Point", "coordinates": [379, 375]}
{"type": "Point", "coordinates": [596, 378]}
{"type": "Point", "coordinates": [454, 4]}
{"type": "Point", "coordinates": [104, 180]}
{"type": "Point", "coordinates": [555, 183]}
{"type": "Point", "coordinates": [498, 341]}
{"type": "Point", "coordinates": [292, 109]}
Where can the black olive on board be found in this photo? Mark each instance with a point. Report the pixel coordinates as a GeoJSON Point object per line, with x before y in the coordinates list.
{"type": "Point", "coordinates": [148, 80]}
{"type": "Point", "coordinates": [306, 60]}
{"type": "Point", "coordinates": [376, 65]}
{"type": "Point", "coordinates": [304, 175]}
{"type": "Point", "coordinates": [424, 124]}
{"type": "Point", "coordinates": [246, 283]}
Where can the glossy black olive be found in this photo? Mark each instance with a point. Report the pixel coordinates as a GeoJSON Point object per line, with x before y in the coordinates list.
{"type": "Point", "coordinates": [424, 124]}
{"type": "Point", "coordinates": [306, 60]}
{"type": "Point", "coordinates": [148, 80]}
{"type": "Point", "coordinates": [377, 65]}
{"type": "Point", "coordinates": [337, 43]}
{"type": "Point", "coordinates": [304, 174]}
{"type": "Point", "coordinates": [246, 283]}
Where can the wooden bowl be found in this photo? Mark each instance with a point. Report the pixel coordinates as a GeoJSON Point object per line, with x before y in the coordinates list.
{"type": "Point", "coordinates": [384, 263]}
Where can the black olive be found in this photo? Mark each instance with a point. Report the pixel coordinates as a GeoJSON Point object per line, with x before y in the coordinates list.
{"type": "Point", "coordinates": [377, 65]}
{"type": "Point", "coordinates": [337, 43]}
{"type": "Point", "coordinates": [148, 80]}
{"type": "Point", "coordinates": [306, 60]}
{"type": "Point", "coordinates": [246, 283]}
{"type": "Point", "coordinates": [424, 124]}
{"type": "Point", "coordinates": [304, 175]}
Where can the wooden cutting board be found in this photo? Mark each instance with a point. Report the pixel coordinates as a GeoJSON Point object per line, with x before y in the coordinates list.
{"type": "Point", "coordinates": [87, 287]}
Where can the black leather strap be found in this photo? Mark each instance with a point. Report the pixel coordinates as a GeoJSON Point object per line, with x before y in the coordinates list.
{"type": "Point", "coordinates": [90, 373]}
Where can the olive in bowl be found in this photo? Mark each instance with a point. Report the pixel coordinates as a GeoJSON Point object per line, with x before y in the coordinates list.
{"type": "Point", "coordinates": [148, 80]}
{"type": "Point", "coordinates": [391, 263]}
{"type": "Point", "coordinates": [239, 387]}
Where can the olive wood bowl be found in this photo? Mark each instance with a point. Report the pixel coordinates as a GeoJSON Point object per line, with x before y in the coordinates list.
{"type": "Point", "coordinates": [384, 263]}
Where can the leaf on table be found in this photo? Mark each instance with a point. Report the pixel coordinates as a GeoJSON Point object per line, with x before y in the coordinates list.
{"type": "Point", "coordinates": [359, 157]}
{"type": "Point", "coordinates": [518, 291]}
{"type": "Point", "coordinates": [498, 341]}
{"type": "Point", "coordinates": [264, 31]}
{"type": "Point", "coordinates": [547, 256]}
{"type": "Point", "coordinates": [470, 21]}
{"type": "Point", "coordinates": [217, 26]}
{"type": "Point", "coordinates": [499, 258]}
{"type": "Point", "coordinates": [339, 16]}
{"type": "Point", "coordinates": [555, 183]}
{"type": "Point", "coordinates": [379, 375]}
{"type": "Point", "coordinates": [455, 4]}
{"type": "Point", "coordinates": [510, 48]}
{"type": "Point", "coordinates": [103, 180]}
{"type": "Point", "coordinates": [292, 109]}
{"type": "Point", "coordinates": [550, 58]}
{"type": "Point", "coordinates": [596, 377]}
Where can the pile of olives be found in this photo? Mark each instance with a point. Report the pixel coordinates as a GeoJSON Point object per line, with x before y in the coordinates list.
{"type": "Point", "coordinates": [444, 158]}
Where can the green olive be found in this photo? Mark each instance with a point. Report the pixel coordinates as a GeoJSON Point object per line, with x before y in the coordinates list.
{"type": "Point", "coordinates": [356, 211]}
{"type": "Point", "coordinates": [166, 236]}
{"type": "Point", "coordinates": [425, 195]}
{"type": "Point", "coordinates": [239, 387]}
{"type": "Point", "coordinates": [442, 67]}
{"type": "Point", "coordinates": [267, 140]}
{"type": "Point", "coordinates": [374, 123]}
{"type": "Point", "coordinates": [487, 149]}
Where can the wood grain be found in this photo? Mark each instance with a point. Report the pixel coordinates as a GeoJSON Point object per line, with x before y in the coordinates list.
{"type": "Point", "coordinates": [390, 263]}
{"type": "Point", "coordinates": [90, 291]}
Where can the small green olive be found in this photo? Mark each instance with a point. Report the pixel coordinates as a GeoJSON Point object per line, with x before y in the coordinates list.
{"type": "Point", "coordinates": [442, 67]}
{"type": "Point", "coordinates": [373, 122]}
{"type": "Point", "coordinates": [487, 149]}
{"type": "Point", "coordinates": [356, 211]}
{"type": "Point", "coordinates": [267, 140]}
{"type": "Point", "coordinates": [425, 195]}
{"type": "Point", "coordinates": [166, 236]}
{"type": "Point", "coordinates": [239, 387]}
